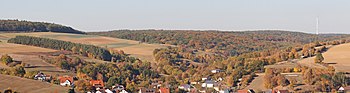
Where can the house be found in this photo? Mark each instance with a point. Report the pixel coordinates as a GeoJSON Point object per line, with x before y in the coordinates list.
{"type": "Point", "coordinates": [215, 71]}
{"type": "Point", "coordinates": [344, 89]}
{"type": "Point", "coordinates": [123, 91]}
{"type": "Point", "coordinates": [208, 84]}
{"type": "Point", "coordinates": [224, 91]}
{"type": "Point", "coordinates": [164, 90]}
{"type": "Point", "coordinates": [66, 81]}
{"type": "Point", "coordinates": [147, 90]}
{"type": "Point", "coordinates": [118, 87]}
{"type": "Point", "coordinates": [203, 79]}
{"type": "Point", "coordinates": [185, 87]}
{"type": "Point", "coordinates": [108, 91]}
{"type": "Point", "coordinates": [282, 91]}
{"type": "Point", "coordinates": [246, 91]}
{"type": "Point", "coordinates": [194, 83]}
{"type": "Point", "coordinates": [42, 77]}
{"type": "Point", "coordinates": [97, 83]}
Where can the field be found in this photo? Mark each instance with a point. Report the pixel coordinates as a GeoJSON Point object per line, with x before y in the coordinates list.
{"type": "Point", "coordinates": [24, 85]}
{"type": "Point", "coordinates": [135, 48]}
{"type": "Point", "coordinates": [337, 56]}
{"type": "Point", "coordinates": [16, 48]}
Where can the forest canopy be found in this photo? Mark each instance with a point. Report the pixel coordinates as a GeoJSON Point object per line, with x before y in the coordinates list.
{"type": "Point", "coordinates": [27, 26]}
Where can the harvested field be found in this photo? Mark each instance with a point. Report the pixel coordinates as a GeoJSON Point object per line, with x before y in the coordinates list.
{"type": "Point", "coordinates": [337, 56]}
{"type": "Point", "coordinates": [37, 64]}
{"type": "Point", "coordinates": [135, 48]}
{"type": "Point", "coordinates": [17, 48]}
{"type": "Point", "coordinates": [24, 85]}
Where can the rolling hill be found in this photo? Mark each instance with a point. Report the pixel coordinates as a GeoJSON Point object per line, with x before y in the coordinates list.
{"type": "Point", "coordinates": [27, 26]}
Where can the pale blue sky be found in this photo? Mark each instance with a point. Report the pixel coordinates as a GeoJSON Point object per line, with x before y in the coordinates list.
{"type": "Point", "coordinates": [103, 15]}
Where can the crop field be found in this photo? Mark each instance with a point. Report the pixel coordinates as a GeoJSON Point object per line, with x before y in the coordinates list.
{"type": "Point", "coordinates": [17, 48]}
{"type": "Point", "coordinates": [24, 85]}
{"type": "Point", "coordinates": [337, 56]}
{"type": "Point", "coordinates": [135, 48]}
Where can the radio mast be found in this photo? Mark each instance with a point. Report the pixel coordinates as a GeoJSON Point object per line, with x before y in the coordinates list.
{"type": "Point", "coordinates": [317, 26]}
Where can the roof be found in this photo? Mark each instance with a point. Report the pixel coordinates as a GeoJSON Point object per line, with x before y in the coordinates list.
{"type": "Point", "coordinates": [243, 91]}
{"type": "Point", "coordinates": [96, 82]}
{"type": "Point", "coordinates": [344, 88]}
{"type": "Point", "coordinates": [64, 79]}
{"type": "Point", "coordinates": [164, 90]}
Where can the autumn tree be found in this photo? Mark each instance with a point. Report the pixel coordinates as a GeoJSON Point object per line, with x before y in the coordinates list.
{"type": "Point", "coordinates": [6, 59]}
{"type": "Point", "coordinates": [281, 80]}
{"type": "Point", "coordinates": [319, 58]}
{"type": "Point", "coordinates": [308, 76]}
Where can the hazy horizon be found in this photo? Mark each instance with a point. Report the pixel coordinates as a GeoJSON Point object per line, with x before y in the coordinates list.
{"type": "Point", "coordinates": [226, 15]}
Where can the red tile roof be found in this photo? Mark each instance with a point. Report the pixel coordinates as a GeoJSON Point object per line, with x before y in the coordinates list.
{"type": "Point", "coordinates": [164, 90]}
{"type": "Point", "coordinates": [96, 82]}
{"type": "Point", "coordinates": [63, 79]}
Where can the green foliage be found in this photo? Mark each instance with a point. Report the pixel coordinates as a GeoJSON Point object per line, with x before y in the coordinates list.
{"type": "Point", "coordinates": [26, 26]}
{"type": "Point", "coordinates": [86, 50]}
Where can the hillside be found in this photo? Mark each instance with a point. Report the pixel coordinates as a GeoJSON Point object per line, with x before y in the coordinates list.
{"type": "Point", "coordinates": [220, 42]}
{"type": "Point", "coordinates": [27, 26]}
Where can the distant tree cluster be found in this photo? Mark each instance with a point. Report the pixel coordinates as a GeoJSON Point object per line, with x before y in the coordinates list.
{"type": "Point", "coordinates": [82, 49]}
{"type": "Point", "coordinates": [26, 26]}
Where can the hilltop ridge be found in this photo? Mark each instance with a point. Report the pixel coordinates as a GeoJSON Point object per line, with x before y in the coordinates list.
{"type": "Point", "coordinates": [28, 26]}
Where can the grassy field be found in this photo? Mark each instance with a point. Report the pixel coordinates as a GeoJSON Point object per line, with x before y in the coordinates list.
{"type": "Point", "coordinates": [136, 49]}
{"type": "Point", "coordinates": [24, 85]}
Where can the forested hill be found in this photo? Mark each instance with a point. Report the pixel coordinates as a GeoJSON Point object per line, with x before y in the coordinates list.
{"type": "Point", "coordinates": [223, 42]}
{"type": "Point", "coordinates": [27, 26]}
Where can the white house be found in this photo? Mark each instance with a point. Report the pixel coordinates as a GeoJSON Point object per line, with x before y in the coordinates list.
{"type": "Point", "coordinates": [108, 91]}
{"type": "Point", "coordinates": [66, 81]}
{"type": "Point", "coordinates": [203, 79]}
{"type": "Point", "coordinates": [185, 87]}
{"type": "Point", "coordinates": [224, 91]}
{"type": "Point", "coordinates": [208, 84]}
{"type": "Point", "coordinates": [123, 91]}
{"type": "Point", "coordinates": [344, 89]}
{"type": "Point", "coordinates": [215, 71]}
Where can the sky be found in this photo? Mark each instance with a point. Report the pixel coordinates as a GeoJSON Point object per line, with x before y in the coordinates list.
{"type": "Point", "coordinates": [228, 15]}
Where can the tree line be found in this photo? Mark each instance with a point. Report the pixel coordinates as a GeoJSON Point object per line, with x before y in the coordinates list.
{"type": "Point", "coordinates": [27, 26]}
{"type": "Point", "coordinates": [82, 49]}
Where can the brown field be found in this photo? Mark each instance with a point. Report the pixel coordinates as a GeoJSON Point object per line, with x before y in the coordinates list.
{"type": "Point", "coordinates": [337, 56]}
{"type": "Point", "coordinates": [16, 48]}
{"type": "Point", "coordinates": [24, 85]}
{"type": "Point", "coordinates": [37, 64]}
{"type": "Point", "coordinates": [136, 49]}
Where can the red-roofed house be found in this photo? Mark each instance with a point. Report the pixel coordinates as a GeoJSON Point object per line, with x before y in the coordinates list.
{"type": "Point", "coordinates": [66, 81]}
{"type": "Point", "coordinates": [97, 83]}
{"type": "Point", "coordinates": [164, 90]}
